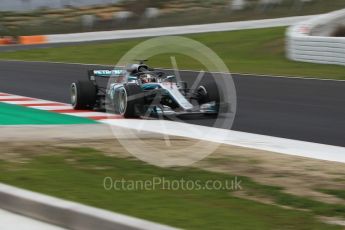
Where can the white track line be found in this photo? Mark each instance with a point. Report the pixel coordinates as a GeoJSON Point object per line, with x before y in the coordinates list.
{"type": "Point", "coordinates": [236, 138]}
{"type": "Point", "coordinates": [87, 114]}
{"type": "Point", "coordinates": [58, 107]}
{"type": "Point", "coordinates": [162, 68]}
{"type": "Point", "coordinates": [30, 102]}
{"type": "Point", "coordinates": [12, 97]}
{"type": "Point", "coordinates": [264, 75]}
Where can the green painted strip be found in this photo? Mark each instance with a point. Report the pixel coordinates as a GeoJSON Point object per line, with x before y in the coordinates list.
{"type": "Point", "coordinates": [20, 115]}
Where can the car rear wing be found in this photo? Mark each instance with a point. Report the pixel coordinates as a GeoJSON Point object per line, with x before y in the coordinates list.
{"type": "Point", "coordinates": [92, 74]}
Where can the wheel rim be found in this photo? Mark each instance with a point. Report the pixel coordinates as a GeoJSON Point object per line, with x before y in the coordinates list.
{"type": "Point", "coordinates": [202, 93]}
{"type": "Point", "coordinates": [202, 90]}
{"type": "Point", "coordinates": [122, 106]}
{"type": "Point", "coordinates": [73, 94]}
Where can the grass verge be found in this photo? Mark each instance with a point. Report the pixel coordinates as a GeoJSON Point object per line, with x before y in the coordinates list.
{"type": "Point", "coordinates": [259, 51]}
{"type": "Point", "coordinates": [337, 193]}
{"type": "Point", "coordinates": [78, 173]}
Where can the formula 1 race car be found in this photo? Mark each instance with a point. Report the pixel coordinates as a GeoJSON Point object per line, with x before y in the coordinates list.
{"type": "Point", "coordinates": [138, 90]}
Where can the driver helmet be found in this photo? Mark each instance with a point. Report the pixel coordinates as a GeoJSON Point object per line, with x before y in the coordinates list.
{"type": "Point", "coordinates": [147, 78]}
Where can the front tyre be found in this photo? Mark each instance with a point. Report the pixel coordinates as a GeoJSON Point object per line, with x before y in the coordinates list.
{"type": "Point", "coordinates": [83, 95]}
{"type": "Point", "coordinates": [208, 93]}
{"type": "Point", "coordinates": [128, 100]}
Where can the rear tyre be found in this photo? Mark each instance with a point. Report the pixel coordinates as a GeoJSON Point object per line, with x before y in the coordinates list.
{"type": "Point", "coordinates": [83, 95]}
{"type": "Point", "coordinates": [129, 101]}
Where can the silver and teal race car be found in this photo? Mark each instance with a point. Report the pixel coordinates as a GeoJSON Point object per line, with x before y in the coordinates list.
{"type": "Point", "coordinates": [138, 90]}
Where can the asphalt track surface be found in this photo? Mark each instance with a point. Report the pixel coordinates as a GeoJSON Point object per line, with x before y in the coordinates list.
{"type": "Point", "coordinates": [301, 109]}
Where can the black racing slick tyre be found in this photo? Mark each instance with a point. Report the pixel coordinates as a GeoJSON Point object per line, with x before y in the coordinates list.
{"type": "Point", "coordinates": [129, 101]}
{"type": "Point", "coordinates": [208, 93]}
{"type": "Point", "coordinates": [83, 95]}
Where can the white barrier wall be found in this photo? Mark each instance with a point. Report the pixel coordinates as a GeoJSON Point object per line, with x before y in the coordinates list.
{"type": "Point", "coordinates": [173, 30]}
{"type": "Point", "coordinates": [302, 46]}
